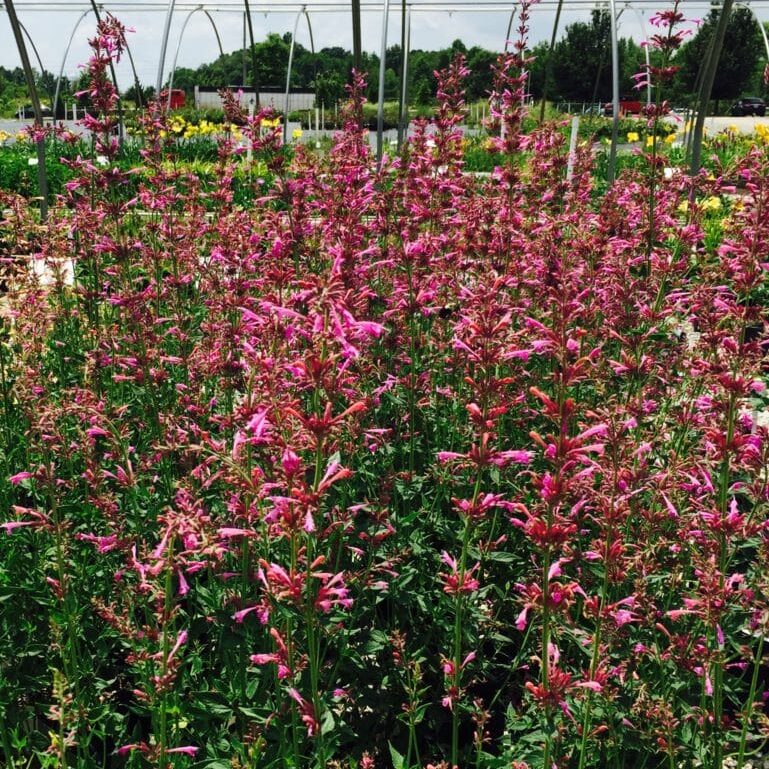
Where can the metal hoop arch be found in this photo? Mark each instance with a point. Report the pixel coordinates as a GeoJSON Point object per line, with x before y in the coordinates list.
{"type": "Point", "coordinates": [302, 10]}
{"type": "Point", "coordinates": [164, 48]}
{"type": "Point", "coordinates": [642, 23]}
{"type": "Point", "coordinates": [179, 45]}
{"type": "Point", "coordinates": [382, 65]}
{"type": "Point", "coordinates": [37, 55]}
{"type": "Point", "coordinates": [64, 60]}
{"type": "Point", "coordinates": [760, 25]}
{"type": "Point", "coordinates": [66, 53]}
{"type": "Point", "coordinates": [510, 27]}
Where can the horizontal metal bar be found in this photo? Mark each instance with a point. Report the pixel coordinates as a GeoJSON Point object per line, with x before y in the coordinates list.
{"type": "Point", "coordinates": [335, 6]}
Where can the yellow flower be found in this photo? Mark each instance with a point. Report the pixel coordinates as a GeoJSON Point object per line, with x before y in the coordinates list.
{"type": "Point", "coordinates": [670, 138]}
{"type": "Point", "coordinates": [683, 207]}
{"type": "Point", "coordinates": [713, 203]}
{"type": "Point", "coordinates": [650, 140]}
{"type": "Point", "coordinates": [632, 136]}
{"type": "Point", "coordinates": [297, 133]}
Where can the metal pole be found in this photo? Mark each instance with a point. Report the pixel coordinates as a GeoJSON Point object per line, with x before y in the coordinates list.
{"type": "Point", "coordinates": [288, 74]}
{"type": "Point", "coordinates": [614, 91]}
{"type": "Point", "coordinates": [179, 45]}
{"type": "Point", "coordinates": [37, 56]}
{"type": "Point", "coordinates": [244, 50]}
{"type": "Point", "coordinates": [382, 56]}
{"type": "Point", "coordinates": [176, 54]}
{"type": "Point", "coordinates": [510, 27]}
{"type": "Point", "coordinates": [403, 125]}
{"type": "Point", "coordinates": [572, 147]}
{"type": "Point", "coordinates": [216, 32]}
{"type": "Point", "coordinates": [760, 26]}
{"type": "Point", "coordinates": [708, 78]}
{"type": "Point", "coordinates": [549, 62]}
{"type": "Point", "coordinates": [30, 78]}
{"type": "Point", "coordinates": [642, 24]}
{"type": "Point", "coordinates": [163, 48]}
{"type": "Point", "coordinates": [137, 84]}
{"type": "Point", "coordinates": [312, 50]}
{"type": "Point", "coordinates": [400, 69]}
{"type": "Point", "coordinates": [691, 112]}
{"type": "Point", "coordinates": [357, 49]}
{"type": "Point", "coordinates": [64, 61]}
{"type": "Point", "coordinates": [254, 69]}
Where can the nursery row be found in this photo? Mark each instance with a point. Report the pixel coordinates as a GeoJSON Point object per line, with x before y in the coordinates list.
{"type": "Point", "coordinates": [396, 466]}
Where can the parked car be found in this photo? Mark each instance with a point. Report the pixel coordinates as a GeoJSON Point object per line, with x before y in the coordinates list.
{"type": "Point", "coordinates": [28, 112]}
{"type": "Point", "coordinates": [748, 105]}
{"type": "Point", "coordinates": [627, 106]}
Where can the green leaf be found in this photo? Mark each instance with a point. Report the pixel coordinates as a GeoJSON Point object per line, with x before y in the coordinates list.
{"type": "Point", "coordinates": [327, 722]}
{"type": "Point", "coordinates": [397, 758]}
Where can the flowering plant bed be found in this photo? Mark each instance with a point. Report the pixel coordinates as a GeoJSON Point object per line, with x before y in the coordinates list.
{"type": "Point", "coordinates": [398, 466]}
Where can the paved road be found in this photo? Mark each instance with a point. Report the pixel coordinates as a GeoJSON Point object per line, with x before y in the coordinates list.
{"type": "Point", "coordinates": [743, 125]}
{"type": "Point", "coordinates": [13, 126]}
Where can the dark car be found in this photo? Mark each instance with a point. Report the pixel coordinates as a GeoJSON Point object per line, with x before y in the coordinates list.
{"type": "Point", "coordinates": [748, 105]}
{"type": "Point", "coordinates": [28, 112]}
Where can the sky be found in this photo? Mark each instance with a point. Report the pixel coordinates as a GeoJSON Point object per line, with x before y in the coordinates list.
{"type": "Point", "coordinates": [429, 30]}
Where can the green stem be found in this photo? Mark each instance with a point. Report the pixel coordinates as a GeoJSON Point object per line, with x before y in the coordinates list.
{"type": "Point", "coordinates": [291, 660]}
{"type": "Point", "coordinates": [167, 606]}
{"type": "Point", "coordinates": [458, 616]}
{"type": "Point", "coordinates": [718, 673]}
{"type": "Point", "coordinates": [751, 699]}
{"type": "Point", "coordinates": [6, 401]}
{"type": "Point", "coordinates": [313, 639]}
{"type": "Point", "coordinates": [587, 718]}
{"type": "Point", "coordinates": [544, 677]}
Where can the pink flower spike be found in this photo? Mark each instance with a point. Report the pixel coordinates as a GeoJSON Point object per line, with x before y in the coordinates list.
{"type": "Point", "coordinates": [19, 477]}
{"type": "Point", "coordinates": [555, 569]}
{"type": "Point", "coordinates": [142, 746]}
{"type": "Point", "coordinates": [184, 587]}
{"type": "Point", "coordinates": [188, 750]}
{"type": "Point", "coordinates": [672, 512]}
{"type": "Point", "coordinates": [309, 523]}
{"type": "Point", "coordinates": [239, 616]}
{"type": "Point", "coordinates": [11, 525]}
{"type": "Point", "coordinates": [227, 532]}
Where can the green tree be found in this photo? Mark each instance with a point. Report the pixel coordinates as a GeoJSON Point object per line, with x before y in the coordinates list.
{"type": "Point", "coordinates": [329, 88]}
{"type": "Point", "coordinates": [581, 69]}
{"type": "Point", "coordinates": [538, 68]}
{"type": "Point", "coordinates": [479, 61]}
{"type": "Point", "coordinates": [742, 51]}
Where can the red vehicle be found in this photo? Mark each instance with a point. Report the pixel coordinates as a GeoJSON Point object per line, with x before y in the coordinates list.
{"type": "Point", "coordinates": [627, 106]}
{"type": "Point", "coordinates": [177, 98]}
